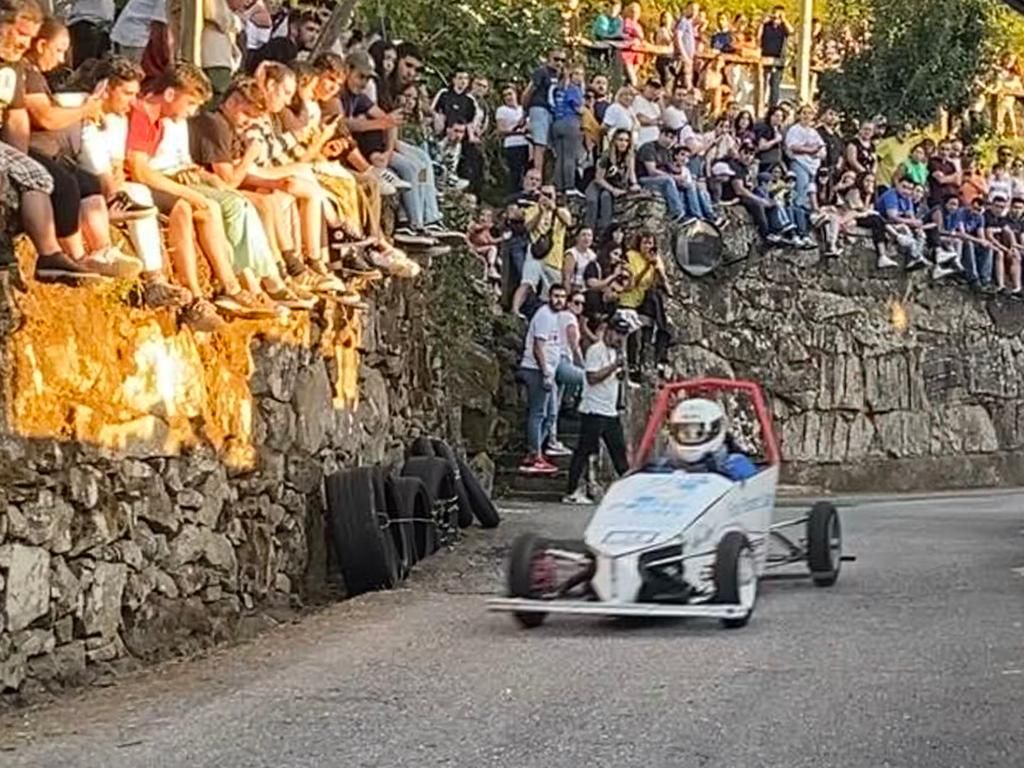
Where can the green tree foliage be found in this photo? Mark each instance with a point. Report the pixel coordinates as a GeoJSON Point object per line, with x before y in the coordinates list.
{"type": "Point", "coordinates": [923, 54]}
{"type": "Point", "coordinates": [503, 39]}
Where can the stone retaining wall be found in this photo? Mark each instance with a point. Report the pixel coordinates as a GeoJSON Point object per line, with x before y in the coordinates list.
{"type": "Point", "coordinates": [160, 490]}
{"type": "Point", "coordinates": [878, 380]}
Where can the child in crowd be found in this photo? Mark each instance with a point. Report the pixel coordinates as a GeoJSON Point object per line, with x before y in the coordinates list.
{"type": "Point", "coordinates": [485, 246]}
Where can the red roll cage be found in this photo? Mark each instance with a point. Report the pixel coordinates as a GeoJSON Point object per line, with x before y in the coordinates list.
{"type": "Point", "coordinates": [668, 394]}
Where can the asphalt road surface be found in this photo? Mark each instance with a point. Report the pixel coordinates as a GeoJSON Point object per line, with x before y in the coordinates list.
{"type": "Point", "coordinates": [916, 658]}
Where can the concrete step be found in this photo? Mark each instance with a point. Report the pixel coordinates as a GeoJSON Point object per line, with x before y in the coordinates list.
{"type": "Point", "coordinates": [508, 463]}
{"type": "Point", "coordinates": [549, 496]}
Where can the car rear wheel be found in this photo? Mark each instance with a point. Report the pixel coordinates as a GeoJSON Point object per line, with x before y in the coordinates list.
{"type": "Point", "coordinates": [824, 544]}
{"type": "Point", "coordinates": [735, 577]}
{"type": "Point", "coordinates": [531, 573]}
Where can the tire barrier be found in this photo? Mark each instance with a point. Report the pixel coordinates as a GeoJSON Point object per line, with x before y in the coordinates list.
{"type": "Point", "coordinates": [382, 521]}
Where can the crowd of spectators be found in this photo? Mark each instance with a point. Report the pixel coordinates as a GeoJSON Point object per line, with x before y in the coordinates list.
{"type": "Point", "coordinates": [267, 164]}
{"type": "Point", "coordinates": [806, 179]}
{"type": "Point", "coordinates": [271, 166]}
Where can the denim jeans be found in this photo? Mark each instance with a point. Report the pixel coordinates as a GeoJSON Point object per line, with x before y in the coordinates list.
{"type": "Point", "coordinates": [802, 218]}
{"type": "Point", "coordinates": [779, 218]}
{"type": "Point", "coordinates": [426, 179]}
{"type": "Point", "coordinates": [804, 183]}
{"type": "Point", "coordinates": [600, 209]}
{"type": "Point", "coordinates": [977, 263]}
{"type": "Point", "coordinates": [666, 185]}
{"type": "Point", "coordinates": [698, 202]}
{"type": "Point", "coordinates": [540, 409]}
{"type": "Point", "coordinates": [569, 379]}
{"type": "Point", "coordinates": [412, 198]}
{"type": "Point", "coordinates": [567, 142]}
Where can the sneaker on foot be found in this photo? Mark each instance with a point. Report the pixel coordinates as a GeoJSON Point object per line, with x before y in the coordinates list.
{"type": "Point", "coordinates": [287, 298]}
{"type": "Point", "coordinates": [121, 207]}
{"type": "Point", "coordinates": [775, 239]}
{"type": "Point", "coordinates": [386, 176]}
{"type": "Point", "coordinates": [542, 466]}
{"type": "Point", "coordinates": [201, 316]}
{"type": "Point", "coordinates": [578, 497]}
{"type": "Point", "coordinates": [919, 263]}
{"type": "Point", "coordinates": [939, 272]}
{"type": "Point", "coordinates": [110, 262]}
{"type": "Point", "coordinates": [160, 294]}
{"type": "Point", "coordinates": [441, 232]}
{"type": "Point", "coordinates": [884, 262]}
{"type": "Point", "coordinates": [60, 268]}
{"type": "Point", "coordinates": [526, 466]}
{"type": "Point", "coordinates": [557, 448]}
{"type": "Point", "coordinates": [244, 304]}
{"type": "Point", "coordinates": [408, 236]}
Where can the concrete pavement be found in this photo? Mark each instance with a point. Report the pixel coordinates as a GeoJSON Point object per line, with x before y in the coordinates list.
{"type": "Point", "coordinates": [916, 658]}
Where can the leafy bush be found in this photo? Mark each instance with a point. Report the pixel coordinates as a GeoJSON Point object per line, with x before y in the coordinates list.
{"type": "Point", "coordinates": [502, 39]}
{"type": "Point", "coordinates": [923, 55]}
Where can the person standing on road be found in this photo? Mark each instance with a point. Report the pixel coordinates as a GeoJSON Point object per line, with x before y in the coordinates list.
{"type": "Point", "coordinates": [542, 353]}
{"type": "Point", "coordinates": [599, 408]}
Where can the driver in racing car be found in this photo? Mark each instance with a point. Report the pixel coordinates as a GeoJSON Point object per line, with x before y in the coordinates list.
{"type": "Point", "coordinates": [699, 441]}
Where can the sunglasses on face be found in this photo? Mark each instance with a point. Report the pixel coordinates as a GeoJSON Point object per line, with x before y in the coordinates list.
{"type": "Point", "coordinates": [577, 302]}
{"type": "Point", "coordinates": [559, 61]}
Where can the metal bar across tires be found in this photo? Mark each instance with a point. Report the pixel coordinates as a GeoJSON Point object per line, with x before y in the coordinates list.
{"type": "Point", "coordinates": [588, 608]}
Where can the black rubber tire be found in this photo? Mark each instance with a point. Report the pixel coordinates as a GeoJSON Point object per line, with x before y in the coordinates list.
{"type": "Point", "coordinates": [520, 563]}
{"type": "Point", "coordinates": [421, 446]}
{"type": "Point", "coordinates": [437, 476]}
{"type": "Point", "coordinates": [483, 507]}
{"type": "Point", "coordinates": [366, 555]}
{"type": "Point", "coordinates": [413, 500]}
{"type": "Point", "coordinates": [400, 528]}
{"type": "Point", "coordinates": [727, 583]}
{"type": "Point", "coordinates": [443, 451]}
{"type": "Point", "coordinates": [823, 562]}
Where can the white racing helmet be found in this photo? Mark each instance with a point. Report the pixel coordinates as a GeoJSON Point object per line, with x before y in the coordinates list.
{"type": "Point", "coordinates": [696, 430]}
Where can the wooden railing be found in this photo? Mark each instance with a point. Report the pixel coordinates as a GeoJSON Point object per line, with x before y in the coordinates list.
{"type": "Point", "coordinates": [757, 63]}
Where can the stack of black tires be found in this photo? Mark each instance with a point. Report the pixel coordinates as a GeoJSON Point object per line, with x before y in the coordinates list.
{"type": "Point", "coordinates": [381, 521]}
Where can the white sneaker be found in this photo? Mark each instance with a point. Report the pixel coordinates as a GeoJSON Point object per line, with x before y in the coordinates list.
{"type": "Point", "coordinates": [111, 262]}
{"type": "Point", "coordinates": [386, 175]}
{"type": "Point", "coordinates": [944, 256]}
{"type": "Point", "coordinates": [579, 497]}
{"type": "Point", "coordinates": [940, 272]}
{"type": "Point", "coordinates": [884, 262]}
{"type": "Point", "coordinates": [557, 448]}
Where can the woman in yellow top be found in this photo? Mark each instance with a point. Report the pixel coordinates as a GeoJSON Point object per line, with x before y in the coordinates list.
{"type": "Point", "coordinates": [648, 288]}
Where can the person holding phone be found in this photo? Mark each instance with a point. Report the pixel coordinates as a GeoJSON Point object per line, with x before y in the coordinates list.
{"type": "Point", "coordinates": [80, 209]}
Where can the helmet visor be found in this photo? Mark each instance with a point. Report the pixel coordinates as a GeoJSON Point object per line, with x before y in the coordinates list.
{"type": "Point", "coordinates": [692, 432]}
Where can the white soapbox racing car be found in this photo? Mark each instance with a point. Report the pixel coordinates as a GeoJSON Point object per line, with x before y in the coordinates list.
{"type": "Point", "coordinates": [678, 543]}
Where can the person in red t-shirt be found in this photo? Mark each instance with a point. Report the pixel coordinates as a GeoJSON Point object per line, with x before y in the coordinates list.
{"type": "Point", "coordinates": [157, 155]}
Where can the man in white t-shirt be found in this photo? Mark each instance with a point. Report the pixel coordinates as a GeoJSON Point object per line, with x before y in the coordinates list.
{"type": "Point", "coordinates": [541, 354]}
{"type": "Point", "coordinates": [599, 408]}
{"type": "Point", "coordinates": [674, 114]}
{"type": "Point", "coordinates": [102, 154]}
{"type": "Point", "coordinates": [647, 109]}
